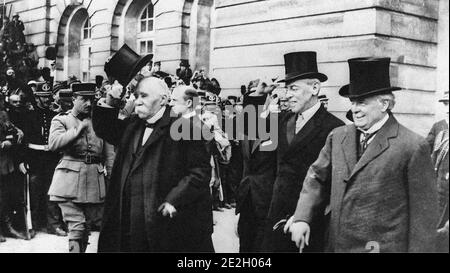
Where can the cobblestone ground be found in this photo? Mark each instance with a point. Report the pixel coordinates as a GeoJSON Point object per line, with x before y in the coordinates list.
{"type": "Point", "coordinates": [225, 239]}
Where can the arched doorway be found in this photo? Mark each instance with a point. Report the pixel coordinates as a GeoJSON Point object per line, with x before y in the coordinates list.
{"type": "Point", "coordinates": [133, 24]}
{"type": "Point", "coordinates": [73, 44]}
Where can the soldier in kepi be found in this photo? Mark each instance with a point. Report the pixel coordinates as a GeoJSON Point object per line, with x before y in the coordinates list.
{"type": "Point", "coordinates": [78, 184]}
{"type": "Point", "coordinates": [40, 162]}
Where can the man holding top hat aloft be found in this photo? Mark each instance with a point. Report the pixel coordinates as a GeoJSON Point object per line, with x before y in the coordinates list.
{"type": "Point", "coordinates": [301, 135]}
{"type": "Point", "coordinates": [375, 175]}
{"type": "Point", "coordinates": [78, 183]}
{"type": "Point", "coordinates": [158, 199]}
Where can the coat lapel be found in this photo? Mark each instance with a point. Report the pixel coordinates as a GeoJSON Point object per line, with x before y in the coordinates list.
{"type": "Point", "coordinates": [159, 131]}
{"type": "Point", "coordinates": [378, 145]}
{"type": "Point", "coordinates": [309, 129]}
{"type": "Point", "coordinates": [349, 148]}
{"type": "Point", "coordinates": [256, 143]}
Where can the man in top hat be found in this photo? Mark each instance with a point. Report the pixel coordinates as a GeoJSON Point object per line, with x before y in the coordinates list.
{"type": "Point", "coordinates": [40, 162]}
{"type": "Point", "coordinates": [375, 176]}
{"type": "Point", "coordinates": [301, 134]}
{"type": "Point", "coordinates": [159, 190]}
{"type": "Point", "coordinates": [78, 184]}
{"type": "Point", "coordinates": [439, 143]}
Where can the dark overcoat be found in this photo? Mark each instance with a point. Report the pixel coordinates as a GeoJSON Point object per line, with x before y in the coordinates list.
{"type": "Point", "coordinates": [173, 171]}
{"type": "Point", "coordinates": [386, 201]}
{"type": "Point", "coordinates": [293, 161]}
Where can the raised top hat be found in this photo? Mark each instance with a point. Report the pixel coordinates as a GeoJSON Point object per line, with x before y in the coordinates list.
{"type": "Point", "coordinates": [16, 15]}
{"type": "Point", "coordinates": [125, 64]}
{"type": "Point", "coordinates": [43, 89]}
{"type": "Point", "coordinates": [445, 97]}
{"type": "Point", "coordinates": [302, 65]}
{"type": "Point", "coordinates": [368, 76]}
{"type": "Point", "coordinates": [83, 89]}
{"type": "Point", "coordinates": [184, 63]}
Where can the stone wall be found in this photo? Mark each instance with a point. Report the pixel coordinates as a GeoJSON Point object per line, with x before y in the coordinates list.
{"type": "Point", "coordinates": [250, 37]}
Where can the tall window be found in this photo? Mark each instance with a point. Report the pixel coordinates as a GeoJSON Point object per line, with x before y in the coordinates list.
{"type": "Point", "coordinates": [147, 19]}
{"type": "Point", "coordinates": [86, 50]}
{"type": "Point", "coordinates": [146, 31]}
{"type": "Point", "coordinates": [87, 29]}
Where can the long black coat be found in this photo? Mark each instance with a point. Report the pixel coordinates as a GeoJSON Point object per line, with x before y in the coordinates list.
{"type": "Point", "coordinates": [177, 172]}
{"type": "Point", "coordinates": [293, 162]}
{"type": "Point", "coordinates": [259, 168]}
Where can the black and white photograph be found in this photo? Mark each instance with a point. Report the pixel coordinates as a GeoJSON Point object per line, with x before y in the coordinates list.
{"type": "Point", "coordinates": [249, 127]}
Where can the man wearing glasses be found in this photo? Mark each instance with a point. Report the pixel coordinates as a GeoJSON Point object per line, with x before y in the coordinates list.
{"type": "Point", "coordinates": [302, 133]}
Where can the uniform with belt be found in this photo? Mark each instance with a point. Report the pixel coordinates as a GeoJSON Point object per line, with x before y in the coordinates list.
{"type": "Point", "coordinates": [42, 163]}
{"type": "Point", "coordinates": [78, 183]}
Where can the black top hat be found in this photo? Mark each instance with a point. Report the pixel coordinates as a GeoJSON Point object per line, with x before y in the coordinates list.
{"type": "Point", "coordinates": [125, 64]}
{"type": "Point", "coordinates": [302, 65]}
{"type": "Point", "coordinates": [368, 76]}
{"type": "Point", "coordinates": [83, 89]}
{"type": "Point", "coordinates": [43, 89]}
{"type": "Point", "coordinates": [99, 80]}
{"type": "Point", "coordinates": [184, 63]}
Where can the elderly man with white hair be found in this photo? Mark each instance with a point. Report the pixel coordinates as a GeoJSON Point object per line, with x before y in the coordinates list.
{"type": "Point", "coordinates": [158, 198]}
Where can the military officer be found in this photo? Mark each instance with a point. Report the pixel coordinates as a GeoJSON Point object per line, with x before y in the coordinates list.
{"type": "Point", "coordinates": [40, 162]}
{"type": "Point", "coordinates": [78, 183]}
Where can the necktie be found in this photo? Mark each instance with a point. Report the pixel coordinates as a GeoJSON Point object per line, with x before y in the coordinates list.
{"type": "Point", "coordinates": [364, 142]}
{"type": "Point", "coordinates": [299, 123]}
{"type": "Point", "coordinates": [290, 129]}
{"type": "Point", "coordinates": [150, 125]}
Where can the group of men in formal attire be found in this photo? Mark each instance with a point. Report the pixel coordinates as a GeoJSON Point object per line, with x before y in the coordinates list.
{"type": "Point", "coordinates": [311, 184]}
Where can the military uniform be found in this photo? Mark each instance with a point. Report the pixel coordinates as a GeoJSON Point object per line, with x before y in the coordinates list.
{"type": "Point", "coordinates": [42, 163]}
{"type": "Point", "coordinates": [78, 183]}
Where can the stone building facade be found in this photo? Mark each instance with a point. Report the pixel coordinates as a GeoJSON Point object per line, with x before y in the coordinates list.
{"type": "Point", "coordinates": [238, 40]}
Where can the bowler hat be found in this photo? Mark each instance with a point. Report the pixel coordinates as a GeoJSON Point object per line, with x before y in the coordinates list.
{"type": "Point", "coordinates": [184, 63]}
{"type": "Point", "coordinates": [43, 89]}
{"type": "Point", "coordinates": [368, 76]}
{"type": "Point", "coordinates": [83, 89]}
{"type": "Point", "coordinates": [125, 64]}
{"type": "Point", "coordinates": [323, 98]}
{"type": "Point", "coordinates": [302, 65]}
{"type": "Point", "coordinates": [445, 97]}
{"type": "Point", "coordinates": [50, 53]}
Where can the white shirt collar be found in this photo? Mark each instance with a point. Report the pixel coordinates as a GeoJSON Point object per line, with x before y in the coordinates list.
{"type": "Point", "coordinates": [377, 126]}
{"type": "Point", "coordinates": [157, 116]}
{"type": "Point", "coordinates": [189, 115]}
{"type": "Point", "coordinates": [308, 114]}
